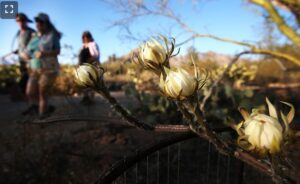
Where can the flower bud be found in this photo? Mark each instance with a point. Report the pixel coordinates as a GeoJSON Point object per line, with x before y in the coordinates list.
{"type": "Point", "coordinates": [263, 133]}
{"type": "Point", "coordinates": [87, 75]}
{"type": "Point", "coordinates": [154, 54]}
{"type": "Point", "coordinates": [178, 84]}
{"type": "Point", "coordinates": [153, 51]}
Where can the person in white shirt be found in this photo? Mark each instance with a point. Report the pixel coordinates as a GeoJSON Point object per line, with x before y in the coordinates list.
{"type": "Point", "coordinates": [89, 53]}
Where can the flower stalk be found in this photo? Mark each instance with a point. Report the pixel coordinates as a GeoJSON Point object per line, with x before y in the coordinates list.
{"type": "Point", "coordinates": [90, 76]}
{"type": "Point", "coordinates": [212, 137]}
{"type": "Point", "coordinates": [191, 111]}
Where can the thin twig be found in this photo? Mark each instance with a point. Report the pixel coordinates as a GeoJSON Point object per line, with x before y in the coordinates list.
{"type": "Point", "coordinates": [132, 11]}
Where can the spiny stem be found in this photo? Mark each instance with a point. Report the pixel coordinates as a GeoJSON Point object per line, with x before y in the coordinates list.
{"type": "Point", "coordinates": [212, 137]}
{"type": "Point", "coordinates": [220, 145]}
{"type": "Point", "coordinates": [276, 174]}
{"type": "Point", "coordinates": [184, 112]}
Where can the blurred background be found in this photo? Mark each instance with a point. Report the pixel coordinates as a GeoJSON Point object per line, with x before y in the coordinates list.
{"type": "Point", "coordinates": [213, 32]}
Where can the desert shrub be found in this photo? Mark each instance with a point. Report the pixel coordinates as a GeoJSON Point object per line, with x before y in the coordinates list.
{"type": "Point", "coordinates": [64, 83]}
{"type": "Point", "coordinates": [269, 71]}
{"type": "Point", "coordinates": [230, 94]}
{"type": "Point", "coordinates": [9, 76]}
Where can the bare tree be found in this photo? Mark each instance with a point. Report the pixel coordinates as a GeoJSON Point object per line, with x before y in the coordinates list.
{"type": "Point", "coordinates": [134, 9]}
{"type": "Point", "coordinates": [291, 5]}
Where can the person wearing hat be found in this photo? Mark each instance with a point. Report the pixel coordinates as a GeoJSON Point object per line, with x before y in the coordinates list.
{"type": "Point", "coordinates": [48, 48]}
{"type": "Point", "coordinates": [23, 36]}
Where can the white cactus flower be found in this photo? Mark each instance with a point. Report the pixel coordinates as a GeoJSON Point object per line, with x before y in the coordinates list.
{"type": "Point", "coordinates": [155, 53]}
{"type": "Point", "coordinates": [263, 133]}
{"type": "Point", "coordinates": [178, 84]}
{"type": "Point", "coordinates": [87, 75]}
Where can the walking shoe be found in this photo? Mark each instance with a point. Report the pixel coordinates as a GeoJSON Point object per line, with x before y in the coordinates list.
{"type": "Point", "coordinates": [33, 109]}
{"type": "Point", "coordinates": [50, 109]}
{"type": "Point", "coordinates": [43, 116]}
{"type": "Point", "coordinates": [87, 101]}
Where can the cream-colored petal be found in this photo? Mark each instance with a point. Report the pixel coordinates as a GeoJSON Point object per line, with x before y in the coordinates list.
{"type": "Point", "coordinates": [243, 142]}
{"type": "Point", "coordinates": [272, 109]}
{"type": "Point", "coordinates": [157, 44]}
{"type": "Point", "coordinates": [87, 74]}
{"type": "Point", "coordinates": [148, 54]}
{"type": "Point", "coordinates": [167, 70]}
{"type": "Point", "coordinates": [269, 132]}
{"type": "Point", "coordinates": [253, 131]}
{"type": "Point", "coordinates": [269, 119]}
{"type": "Point", "coordinates": [165, 42]}
{"type": "Point", "coordinates": [162, 82]}
{"type": "Point", "coordinates": [286, 124]}
{"type": "Point", "coordinates": [238, 128]}
{"type": "Point", "coordinates": [291, 114]}
{"type": "Point", "coordinates": [244, 113]}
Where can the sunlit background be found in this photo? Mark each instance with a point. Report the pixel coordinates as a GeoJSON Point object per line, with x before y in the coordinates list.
{"type": "Point", "coordinates": [242, 56]}
{"type": "Point", "coordinates": [230, 19]}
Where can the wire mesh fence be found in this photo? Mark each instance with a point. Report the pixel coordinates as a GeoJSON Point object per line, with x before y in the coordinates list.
{"type": "Point", "coordinates": [181, 159]}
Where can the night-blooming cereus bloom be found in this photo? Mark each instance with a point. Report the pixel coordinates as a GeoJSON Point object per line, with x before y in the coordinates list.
{"type": "Point", "coordinates": [87, 75]}
{"type": "Point", "coordinates": [264, 133]}
{"type": "Point", "coordinates": [179, 84]}
{"type": "Point", "coordinates": [155, 53]}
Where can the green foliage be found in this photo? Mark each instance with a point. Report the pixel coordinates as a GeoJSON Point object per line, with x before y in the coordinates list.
{"type": "Point", "coordinates": [117, 67]}
{"type": "Point", "coordinates": [64, 83]}
{"type": "Point", "coordinates": [153, 107]}
{"type": "Point", "coordinates": [230, 93]}
{"type": "Point", "coordinates": [9, 75]}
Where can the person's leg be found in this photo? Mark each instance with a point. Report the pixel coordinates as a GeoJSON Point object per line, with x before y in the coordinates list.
{"type": "Point", "coordinates": [42, 101]}
{"type": "Point", "coordinates": [45, 84]}
{"type": "Point", "coordinates": [23, 82]}
{"type": "Point", "coordinates": [32, 90]}
{"type": "Point", "coordinates": [24, 77]}
{"type": "Point", "coordinates": [32, 95]}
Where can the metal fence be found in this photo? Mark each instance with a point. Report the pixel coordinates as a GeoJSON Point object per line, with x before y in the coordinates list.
{"type": "Point", "coordinates": [177, 159]}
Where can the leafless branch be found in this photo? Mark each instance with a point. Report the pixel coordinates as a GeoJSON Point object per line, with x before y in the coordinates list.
{"type": "Point", "coordinates": [135, 9]}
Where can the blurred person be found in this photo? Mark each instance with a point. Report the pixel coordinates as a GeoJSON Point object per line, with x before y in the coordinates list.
{"type": "Point", "coordinates": [34, 68]}
{"type": "Point", "coordinates": [43, 52]}
{"type": "Point", "coordinates": [23, 36]}
{"type": "Point", "coordinates": [89, 53]}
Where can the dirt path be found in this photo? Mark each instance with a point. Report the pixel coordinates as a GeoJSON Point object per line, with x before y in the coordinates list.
{"type": "Point", "coordinates": [66, 151]}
